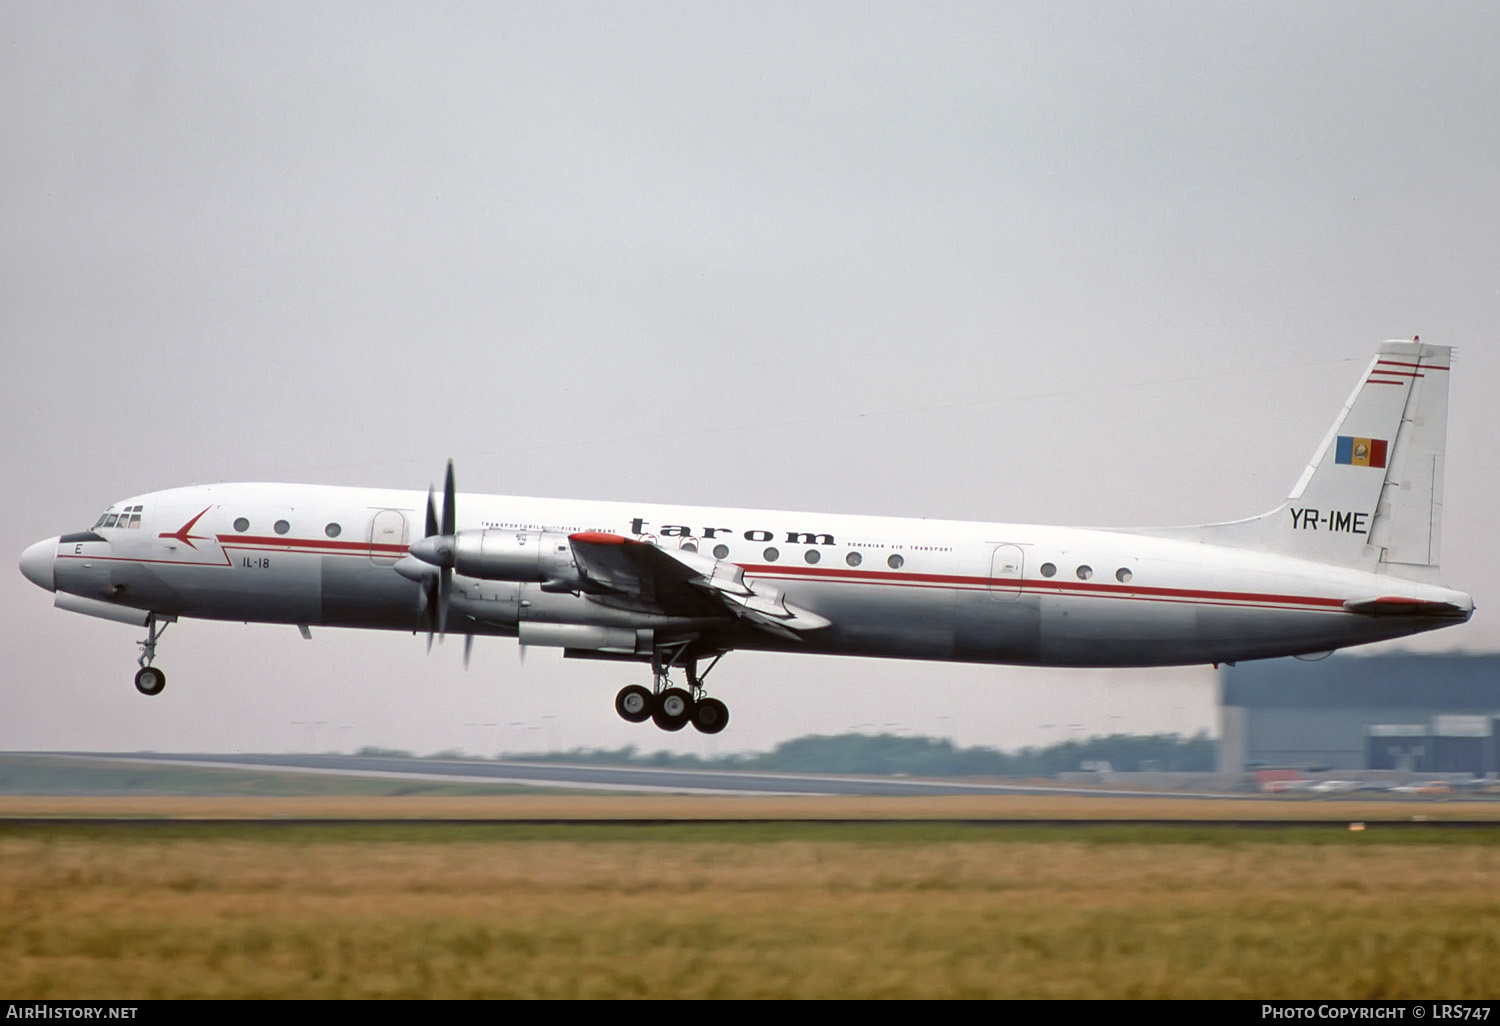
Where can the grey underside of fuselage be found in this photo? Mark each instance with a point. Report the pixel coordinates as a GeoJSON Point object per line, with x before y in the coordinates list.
{"type": "Point", "coordinates": [1045, 630]}
{"type": "Point", "coordinates": [923, 623]}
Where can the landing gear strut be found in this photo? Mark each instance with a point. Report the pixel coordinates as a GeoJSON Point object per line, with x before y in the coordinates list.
{"type": "Point", "coordinates": [148, 679]}
{"type": "Point", "coordinates": [672, 708]}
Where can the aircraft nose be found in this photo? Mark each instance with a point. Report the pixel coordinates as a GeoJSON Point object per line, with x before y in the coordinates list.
{"type": "Point", "coordinates": [37, 564]}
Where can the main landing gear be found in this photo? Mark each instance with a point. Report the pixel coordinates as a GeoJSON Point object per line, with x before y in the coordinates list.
{"type": "Point", "coordinates": [148, 679]}
{"type": "Point", "coordinates": [672, 708]}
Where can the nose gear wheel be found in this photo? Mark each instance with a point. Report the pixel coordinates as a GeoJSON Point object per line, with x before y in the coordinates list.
{"type": "Point", "coordinates": [149, 680]}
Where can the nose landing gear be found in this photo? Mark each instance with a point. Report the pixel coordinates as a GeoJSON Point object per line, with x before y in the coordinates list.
{"type": "Point", "coordinates": [672, 708]}
{"type": "Point", "coordinates": [148, 679]}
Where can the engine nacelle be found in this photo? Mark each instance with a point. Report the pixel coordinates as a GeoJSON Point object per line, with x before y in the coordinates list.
{"type": "Point", "coordinates": [504, 555]}
{"type": "Point", "coordinates": [587, 637]}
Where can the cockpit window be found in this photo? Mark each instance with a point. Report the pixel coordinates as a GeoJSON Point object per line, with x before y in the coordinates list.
{"type": "Point", "coordinates": [129, 517]}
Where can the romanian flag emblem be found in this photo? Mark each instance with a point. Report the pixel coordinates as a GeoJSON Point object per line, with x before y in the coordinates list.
{"type": "Point", "coordinates": [1361, 452]}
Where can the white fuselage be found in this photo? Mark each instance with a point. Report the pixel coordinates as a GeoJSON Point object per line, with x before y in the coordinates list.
{"type": "Point", "coordinates": [891, 587]}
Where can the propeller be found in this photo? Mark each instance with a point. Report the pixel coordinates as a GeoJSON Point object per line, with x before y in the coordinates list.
{"type": "Point", "coordinates": [436, 549]}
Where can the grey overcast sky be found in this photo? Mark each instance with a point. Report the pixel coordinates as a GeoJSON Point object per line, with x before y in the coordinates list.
{"type": "Point", "coordinates": [1087, 263]}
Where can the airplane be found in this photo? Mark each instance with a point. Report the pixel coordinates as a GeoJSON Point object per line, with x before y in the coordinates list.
{"type": "Point", "coordinates": [1350, 558]}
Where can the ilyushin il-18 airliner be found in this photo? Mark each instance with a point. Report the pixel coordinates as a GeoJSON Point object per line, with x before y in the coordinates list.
{"type": "Point", "coordinates": [1350, 558]}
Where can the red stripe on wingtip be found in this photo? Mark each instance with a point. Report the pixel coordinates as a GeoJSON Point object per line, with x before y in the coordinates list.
{"type": "Point", "coordinates": [597, 538]}
{"type": "Point", "coordinates": [1414, 366]}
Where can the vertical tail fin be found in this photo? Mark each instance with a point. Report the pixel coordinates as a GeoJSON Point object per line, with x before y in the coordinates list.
{"type": "Point", "coordinates": [1372, 497]}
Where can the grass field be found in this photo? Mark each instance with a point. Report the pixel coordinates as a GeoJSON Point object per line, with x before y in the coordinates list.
{"type": "Point", "coordinates": [900, 909]}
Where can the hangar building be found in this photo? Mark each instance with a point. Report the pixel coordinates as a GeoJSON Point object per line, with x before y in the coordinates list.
{"type": "Point", "coordinates": [1424, 713]}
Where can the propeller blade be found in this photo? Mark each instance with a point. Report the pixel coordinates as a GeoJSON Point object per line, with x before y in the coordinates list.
{"type": "Point", "coordinates": [429, 607]}
{"type": "Point", "coordinates": [450, 512]}
{"type": "Point", "coordinates": [436, 545]}
{"type": "Point", "coordinates": [435, 548]}
{"type": "Point", "coordinates": [468, 648]}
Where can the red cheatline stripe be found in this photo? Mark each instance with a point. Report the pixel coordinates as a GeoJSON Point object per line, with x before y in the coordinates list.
{"type": "Point", "coordinates": [1005, 584]}
{"type": "Point", "coordinates": [1228, 599]}
{"type": "Point", "coordinates": [1373, 381]}
{"type": "Point", "coordinates": [241, 541]}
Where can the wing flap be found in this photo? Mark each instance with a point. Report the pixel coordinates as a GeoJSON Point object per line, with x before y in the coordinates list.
{"type": "Point", "coordinates": [677, 582]}
{"type": "Point", "coordinates": [634, 575]}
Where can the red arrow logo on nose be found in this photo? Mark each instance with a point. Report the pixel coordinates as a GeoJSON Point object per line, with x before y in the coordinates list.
{"type": "Point", "coordinates": [181, 534]}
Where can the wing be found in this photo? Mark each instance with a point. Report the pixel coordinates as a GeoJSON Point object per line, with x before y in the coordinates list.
{"type": "Point", "coordinates": [630, 574]}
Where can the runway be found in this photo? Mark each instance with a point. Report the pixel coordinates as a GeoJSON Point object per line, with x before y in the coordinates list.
{"type": "Point", "coordinates": [633, 779]}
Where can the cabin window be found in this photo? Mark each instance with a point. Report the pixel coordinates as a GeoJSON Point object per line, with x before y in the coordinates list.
{"type": "Point", "coordinates": [854, 559]}
{"type": "Point", "coordinates": [1049, 569]}
{"type": "Point", "coordinates": [812, 555]}
{"type": "Point", "coordinates": [772, 555]}
{"type": "Point", "coordinates": [1123, 575]}
{"type": "Point", "coordinates": [333, 530]}
{"type": "Point", "coordinates": [241, 525]}
{"type": "Point", "coordinates": [895, 562]}
{"type": "Point", "coordinates": [721, 551]}
{"type": "Point", "coordinates": [1085, 572]}
{"type": "Point", "coordinates": [689, 546]}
